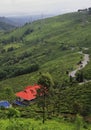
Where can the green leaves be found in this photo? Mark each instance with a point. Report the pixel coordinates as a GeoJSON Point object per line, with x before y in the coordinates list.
{"type": "Point", "coordinates": [45, 80]}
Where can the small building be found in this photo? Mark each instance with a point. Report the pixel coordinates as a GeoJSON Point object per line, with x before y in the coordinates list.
{"type": "Point", "coordinates": [5, 104]}
{"type": "Point", "coordinates": [27, 95]}
{"type": "Point", "coordinates": [82, 10]}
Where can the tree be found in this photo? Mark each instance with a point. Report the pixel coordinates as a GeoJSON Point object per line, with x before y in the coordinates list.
{"type": "Point", "coordinates": [46, 82]}
{"type": "Point", "coordinates": [3, 74]}
{"type": "Point", "coordinates": [89, 10]}
{"type": "Point", "coordinates": [77, 108]}
{"type": "Point", "coordinates": [79, 76]}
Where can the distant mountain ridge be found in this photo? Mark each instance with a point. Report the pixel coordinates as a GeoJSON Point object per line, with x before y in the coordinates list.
{"type": "Point", "coordinates": [6, 24]}
{"type": "Point", "coordinates": [6, 27]}
{"type": "Point", "coordinates": [21, 20]}
{"type": "Point", "coordinates": [7, 21]}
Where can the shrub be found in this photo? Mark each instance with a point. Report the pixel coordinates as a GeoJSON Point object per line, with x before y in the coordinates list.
{"type": "Point", "coordinates": [78, 122]}
{"type": "Point", "coordinates": [10, 49]}
{"type": "Point", "coordinates": [3, 74]}
{"type": "Point", "coordinates": [13, 113]}
{"type": "Point", "coordinates": [17, 125]}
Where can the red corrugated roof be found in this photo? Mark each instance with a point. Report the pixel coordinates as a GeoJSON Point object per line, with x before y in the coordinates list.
{"type": "Point", "coordinates": [29, 93]}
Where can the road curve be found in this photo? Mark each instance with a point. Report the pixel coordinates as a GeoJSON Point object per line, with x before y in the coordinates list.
{"type": "Point", "coordinates": [81, 66]}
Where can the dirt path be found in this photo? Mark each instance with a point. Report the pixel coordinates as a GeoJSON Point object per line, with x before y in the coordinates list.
{"type": "Point", "coordinates": [81, 66]}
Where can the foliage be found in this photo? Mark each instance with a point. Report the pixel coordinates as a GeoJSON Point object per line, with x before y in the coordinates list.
{"type": "Point", "coordinates": [16, 71]}
{"type": "Point", "coordinates": [9, 94]}
{"type": "Point", "coordinates": [50, 47]}
{"type": "Point", "coordinates": [13, 113]}
{"type": "Point", "coordinates": [89, 10]}
{"type": "Point", "coordinates": [79, 76]}
{"type": "Point", "coordinates": [37, 44]}
{"type": "Point", "coordinates": [78, 122]}
{"type": "Point", "coordinates": [46, 82]}
{"type": "Point", "coordinates": [29, 124]}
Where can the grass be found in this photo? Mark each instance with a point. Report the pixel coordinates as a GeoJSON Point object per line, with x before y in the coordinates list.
{"type": "Point", "coordinates": [30, 124]}
{"type": "Point", "coordinates": [14, 45]}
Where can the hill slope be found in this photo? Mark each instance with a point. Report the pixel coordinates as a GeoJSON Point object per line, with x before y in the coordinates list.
{"type": "Point", "coordinates": [7, 21]}
{"type": "Point", "coordinates": [45, 45]}
{"type": "Point", "coordinates": [5, 26]}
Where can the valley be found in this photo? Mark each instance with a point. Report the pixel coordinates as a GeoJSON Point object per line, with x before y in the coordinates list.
{"type": "Point", "coordinates": [51, 47]}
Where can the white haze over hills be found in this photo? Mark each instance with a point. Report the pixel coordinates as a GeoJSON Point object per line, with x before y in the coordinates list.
{"type": "Point", "coordinates": [19, 12]}
{"type": "Point", "coordinates": [33, 7]}
{"type": "Point", "coordinates": [21, 20]}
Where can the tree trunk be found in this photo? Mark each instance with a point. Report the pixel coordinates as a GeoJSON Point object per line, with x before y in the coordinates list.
{"type": "Point", "coordinates": [44, 110]}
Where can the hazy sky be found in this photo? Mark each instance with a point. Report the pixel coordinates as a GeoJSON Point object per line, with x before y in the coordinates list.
{"type": "Point", "coordinates": [20, 7]}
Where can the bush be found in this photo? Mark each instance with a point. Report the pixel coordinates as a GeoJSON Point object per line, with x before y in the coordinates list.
{"type": "Point", "coordinates": [80, 76]}
{"type": "Point", "coordinates": [13, 113]}
{"type": "Point", "coordinates": [89, 10]}
{"type": "Point", "coordinates": [78, 122]}
{"type": "Point", "coordinates": [3, 74]}
{"type": "Point", "coordinates": [28, 31]}
{"type": "Point", "coordinates": [3, 113]}
{"type": "Point", "coordinates": [17, 125]}
{"type": "Point", "coordinates": [29, 69]}
{"type": "Point", "coordinates": [10, 49]}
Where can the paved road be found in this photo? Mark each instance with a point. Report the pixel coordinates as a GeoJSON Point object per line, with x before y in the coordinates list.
{"type": "Point", "coordinates": [85, 81]}
{"type": "Point", "coordinates": [81, 66]}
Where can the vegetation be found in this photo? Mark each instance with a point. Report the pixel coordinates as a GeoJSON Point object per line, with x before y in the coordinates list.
{"type": "Point", "coordinates": [46, 83]}
{"type": "Point", "coordinates": [51, 45]}
{"type": "Point", "coordinates": [6, 26]}
{"type": "Point", "coordinates": [30, 124]}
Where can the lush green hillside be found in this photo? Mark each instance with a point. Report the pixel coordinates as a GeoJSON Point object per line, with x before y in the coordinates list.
{"type": "Point", "coordinates": [49, 45]}
{"type": "Point", "coordinates": [50, 42]}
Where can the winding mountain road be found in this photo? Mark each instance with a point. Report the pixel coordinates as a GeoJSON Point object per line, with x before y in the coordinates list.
{"type": "Point", "coordinates": [81, 66]}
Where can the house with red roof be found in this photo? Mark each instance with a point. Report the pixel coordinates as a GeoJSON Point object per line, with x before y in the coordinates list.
{"type": "Point", "coordinates": [27, 95]}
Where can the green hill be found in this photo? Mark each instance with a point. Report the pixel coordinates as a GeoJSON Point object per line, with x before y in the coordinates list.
{"type": "Point", "coordinates": [6, 26]}
{"type": "Point", "coordinates": [48, 45]}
